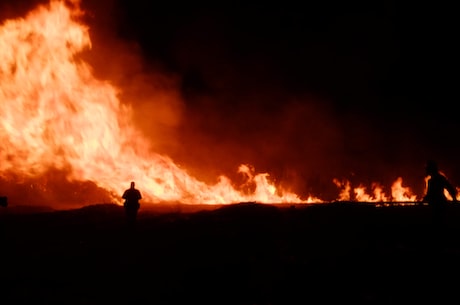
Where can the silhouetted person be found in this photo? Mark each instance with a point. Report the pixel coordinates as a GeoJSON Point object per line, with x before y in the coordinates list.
{"type": "Point", "coordinates": [437, 184]}
{"type": "Point", "coordinates": [131, 204]}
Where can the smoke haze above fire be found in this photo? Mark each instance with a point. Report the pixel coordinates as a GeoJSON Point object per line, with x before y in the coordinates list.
{"type": "Point", "coordinates": [307, 95]}
{"type": "Point", "coordinates": [308, 92]}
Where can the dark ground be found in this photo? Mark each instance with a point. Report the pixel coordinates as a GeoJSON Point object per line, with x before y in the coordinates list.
{"type": "Point", "coordinates": [238, 254]}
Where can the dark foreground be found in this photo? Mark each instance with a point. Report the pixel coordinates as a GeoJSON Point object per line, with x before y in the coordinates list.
{"type": "Point", "coordinates": [239, 254]}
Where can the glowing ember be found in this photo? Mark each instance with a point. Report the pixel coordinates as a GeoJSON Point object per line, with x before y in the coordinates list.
{"type": "Point", "coordinates": [55, 115]}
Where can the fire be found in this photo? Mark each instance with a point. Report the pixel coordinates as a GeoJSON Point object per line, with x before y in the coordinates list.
{"type": "Point", "coordinates": [399, 193]}
{"type": "Point", "coordinates": [56, 115]}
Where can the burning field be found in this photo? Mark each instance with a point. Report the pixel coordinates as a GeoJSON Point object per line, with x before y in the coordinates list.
{"type": "Point", "coordinates": [75, 132]}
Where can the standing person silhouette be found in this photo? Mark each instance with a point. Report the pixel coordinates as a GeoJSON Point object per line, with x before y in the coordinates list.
{"type": "Point", "coordinates": [436, 185]}
{"type": "Point", "coordinates": [131, 204]}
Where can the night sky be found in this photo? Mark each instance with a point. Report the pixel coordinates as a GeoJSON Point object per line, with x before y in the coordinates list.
{"type": "Point", "coordinates": [306, 91]}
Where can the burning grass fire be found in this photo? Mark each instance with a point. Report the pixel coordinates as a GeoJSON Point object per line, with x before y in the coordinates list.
{"type": "Point", "coordinates": [56, 116]}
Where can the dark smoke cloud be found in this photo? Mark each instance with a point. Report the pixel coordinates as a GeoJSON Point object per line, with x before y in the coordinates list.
{"type": "Point", "coordinates": [307, 94]}
{"type": "Point", "coordinates": [151, 90]}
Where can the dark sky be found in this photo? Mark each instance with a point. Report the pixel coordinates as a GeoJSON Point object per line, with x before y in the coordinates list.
{"type": "Point", "coordinates": [348, 51]}
{"type": "Point", "coordinates": [307, 91]}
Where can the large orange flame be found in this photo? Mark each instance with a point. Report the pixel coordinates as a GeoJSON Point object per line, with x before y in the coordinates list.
{"type": "Point", "coordinates": [56, 114]}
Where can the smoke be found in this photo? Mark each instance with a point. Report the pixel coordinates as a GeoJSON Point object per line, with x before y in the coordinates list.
{"type": "Point", "coordinates": [212, 106]}
{"type": "Point", "coordinates": [152, 91]}
{"type": "Point", "coordinates": [209, 110]}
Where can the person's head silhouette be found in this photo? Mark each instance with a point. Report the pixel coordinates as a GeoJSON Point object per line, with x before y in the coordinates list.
{"type": "Point", "coordinates": [431, 167]}
{"type": "Point", "coordinates": [132, 184]}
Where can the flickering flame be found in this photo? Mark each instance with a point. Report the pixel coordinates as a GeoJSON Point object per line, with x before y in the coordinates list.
{"type": "Point", "coordinates": [54, 114]}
